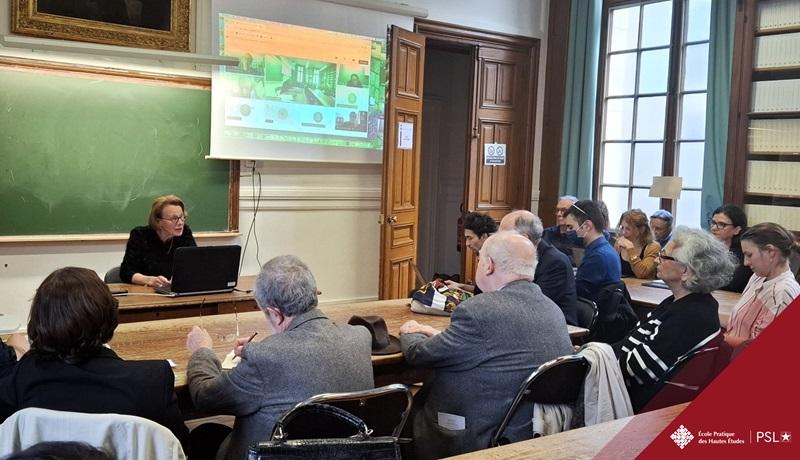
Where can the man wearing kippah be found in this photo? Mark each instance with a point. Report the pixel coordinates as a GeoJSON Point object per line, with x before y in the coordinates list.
{"type": "Point", "coordinates": [661, 224]}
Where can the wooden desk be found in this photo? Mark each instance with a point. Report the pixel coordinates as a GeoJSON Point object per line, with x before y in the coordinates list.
{"type": "Point", "coordinates": [166, 339]}
{"type": "Point", "coordinates": [143, 304]}
{"type": "Point", "coordinates": [650, 297]}
{"type": "Point", "coordinates": [588, 442]}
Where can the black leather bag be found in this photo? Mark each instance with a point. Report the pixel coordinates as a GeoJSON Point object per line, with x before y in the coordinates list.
{"type": "Point", "coordinates": [320, 431]}
{"type": "Point", "coordinates": [615, 315]}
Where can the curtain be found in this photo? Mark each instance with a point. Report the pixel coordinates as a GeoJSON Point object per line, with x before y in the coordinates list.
{"type": "Point", "coordinates": [577, 141]}
{"type": "Point", "coordinates": [720, 56]}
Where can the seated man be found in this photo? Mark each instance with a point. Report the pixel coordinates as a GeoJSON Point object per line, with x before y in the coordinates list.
{"type": "Point", "coordinates": [554, 273]}
{"type": "Point", "coordinates": [661, 224]}
{"type": "Point", "coordinates": [557, 234]}
{"type": "Point", "coordinates": [601, 265]}
{"type": "Point", "coordinates": [494, 341]}
{"type": "Point", "coordinates": [307, 354]}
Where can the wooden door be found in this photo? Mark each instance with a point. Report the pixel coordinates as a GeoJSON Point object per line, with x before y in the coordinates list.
{"type": "Point", "coordinates": [401, 166]}
{"type": "Point", "coordinates": [503, 107]}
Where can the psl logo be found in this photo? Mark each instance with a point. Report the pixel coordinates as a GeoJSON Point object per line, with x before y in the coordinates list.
{"type": "Point", "coordinates": [773, 437]}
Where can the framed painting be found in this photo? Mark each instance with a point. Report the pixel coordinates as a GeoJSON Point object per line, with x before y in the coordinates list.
{"type": "Point", "coordinates": [156, 24]}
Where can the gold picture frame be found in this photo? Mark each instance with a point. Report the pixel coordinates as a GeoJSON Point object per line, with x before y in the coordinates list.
{"type": "Point", "coordinates": [156, 24]}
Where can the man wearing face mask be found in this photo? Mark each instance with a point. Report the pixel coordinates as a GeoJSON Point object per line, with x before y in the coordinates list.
{"type": "Point", "coordinates": [307, 354]}
{"type": "Point", "coordinates": [600, 266]}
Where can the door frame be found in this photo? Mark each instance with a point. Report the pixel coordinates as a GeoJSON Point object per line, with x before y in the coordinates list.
{"type": "Point", "coordinates": [442, 34]}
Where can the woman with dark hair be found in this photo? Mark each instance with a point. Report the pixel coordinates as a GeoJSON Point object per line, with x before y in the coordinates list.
{"type": "Point", "coordinates": [151, 248]}
{"type": "Point", "coordinates": [477, 228]}
{"type": "Point", "coordinates": [727, 224]}
{"type": "Point", "coordinates": [69, 367]}
{"type": "Point", "coordinates": [766, 248]}
{"type": "Point", "coordinates": [635, 245]}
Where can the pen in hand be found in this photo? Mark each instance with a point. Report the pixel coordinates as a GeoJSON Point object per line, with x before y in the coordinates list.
{"type": "Point", "coordinates": [237, 350]}
{"type": "Point", "coordinates": [252, 336]}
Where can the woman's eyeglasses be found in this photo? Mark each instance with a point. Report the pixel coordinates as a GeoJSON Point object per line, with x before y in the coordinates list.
{"type": "Point", "coordinates": [720, 225]}
{"type": "Point", "coordinates": [176, 219]}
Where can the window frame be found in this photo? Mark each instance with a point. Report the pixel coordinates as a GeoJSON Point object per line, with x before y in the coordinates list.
{"type": "Point", "coordinates": [674, 94]}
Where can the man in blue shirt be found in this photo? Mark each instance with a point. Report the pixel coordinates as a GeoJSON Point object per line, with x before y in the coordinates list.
{"type": "Point", "coordinates": [600, 266]}
{"type": "Point", "coordinates": [557, 234]}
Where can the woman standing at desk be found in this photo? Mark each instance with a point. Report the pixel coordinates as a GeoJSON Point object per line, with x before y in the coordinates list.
{"type": "Point", "coordinates": [151, 248]}
{"type": "Point", "coordinates": [772, 287]}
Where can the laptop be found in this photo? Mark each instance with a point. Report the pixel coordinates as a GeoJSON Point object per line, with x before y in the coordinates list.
{"type": "Point", "coordinates": [203, 270]}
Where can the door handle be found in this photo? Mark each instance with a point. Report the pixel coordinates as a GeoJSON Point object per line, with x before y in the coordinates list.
{"type": "Point", "coordinates": [391, 220]}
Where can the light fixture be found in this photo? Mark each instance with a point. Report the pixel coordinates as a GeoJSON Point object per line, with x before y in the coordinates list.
{"type": "Point", "coordinates": [403, 9]}
{"type": "Point", "coordinates": [68, 46]}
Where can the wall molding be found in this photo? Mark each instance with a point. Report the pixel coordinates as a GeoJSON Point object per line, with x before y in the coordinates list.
{"type": "Point", "coordinates": [310, 198]}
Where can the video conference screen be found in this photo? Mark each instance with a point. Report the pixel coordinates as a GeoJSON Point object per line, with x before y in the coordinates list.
{"type": "Point", "coordinates": [299, 85]}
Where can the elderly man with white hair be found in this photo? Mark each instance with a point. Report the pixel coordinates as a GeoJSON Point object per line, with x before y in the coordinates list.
{"type": "Point", "coordinates": [494, 341]}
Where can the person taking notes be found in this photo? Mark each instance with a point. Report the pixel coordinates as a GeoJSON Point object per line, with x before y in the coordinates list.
{"type": "Point", "coordinates": [151, 248]}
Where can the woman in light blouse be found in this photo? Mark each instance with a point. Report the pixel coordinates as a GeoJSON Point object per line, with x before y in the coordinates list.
{"type": "Point", "coordinates": [635, 245]}
{"type": "Point", "coordinates": [766, 248]}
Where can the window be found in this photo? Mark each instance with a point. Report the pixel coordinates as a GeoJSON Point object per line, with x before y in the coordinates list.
{"type": "Point", "coordinates": [653, 104]}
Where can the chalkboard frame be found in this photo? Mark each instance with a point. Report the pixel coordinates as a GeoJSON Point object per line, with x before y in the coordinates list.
{"type": "Point", "coordinates": [130, 76]}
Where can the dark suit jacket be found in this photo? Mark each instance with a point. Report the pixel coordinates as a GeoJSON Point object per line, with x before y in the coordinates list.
{"type": "Point", "coordinates": [494, 341]}
{"type": "Point", "coordinates": [555, 277]}
{"type": "Point", "coordinates": [102, 384]}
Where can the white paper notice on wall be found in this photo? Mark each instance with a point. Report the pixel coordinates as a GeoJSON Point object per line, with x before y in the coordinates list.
{"type": "Point", "coordinates": [405, 135]}
{"type": "Point", "coordinates": [494, 154]}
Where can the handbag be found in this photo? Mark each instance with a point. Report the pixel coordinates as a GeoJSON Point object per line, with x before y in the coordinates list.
{"type": "Point", "coordinates": [435, 298]}
{"type": "Point", "coordinates": [320, 431]}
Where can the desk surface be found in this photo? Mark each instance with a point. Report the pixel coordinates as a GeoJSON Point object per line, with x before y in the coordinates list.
{"type": "Point", "coordinates": [647, 296]}
{"type": "Point", "coordinates": [166, 339]}
{"type": "Point", "coordinates": [588, 442]}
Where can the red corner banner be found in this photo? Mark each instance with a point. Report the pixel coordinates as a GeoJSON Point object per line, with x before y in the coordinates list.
{"type": "Point", "coordinates": [750, 411]}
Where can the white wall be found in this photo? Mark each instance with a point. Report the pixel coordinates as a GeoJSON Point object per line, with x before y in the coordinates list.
{"type": "Point", "coordinates": [324, 213]}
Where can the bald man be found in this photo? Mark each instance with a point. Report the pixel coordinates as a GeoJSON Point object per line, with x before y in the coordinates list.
{"type": "Point", "coordinates": [554, 273]}
{"type": "Point", "coordinates": [494, 341]}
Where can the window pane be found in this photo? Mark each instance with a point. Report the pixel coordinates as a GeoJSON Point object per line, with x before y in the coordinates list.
{"type": "Point", "coordinates": [656, 24]}
{"type": "Point", "coordinates": [647, 163]}
{"type": "Point", "coordinates": [619, 119]}
{"type": "Point", "coordinates": [688, 212]}
{"type": "Point", "coordinates": [695, 74]}
{"type": "Point", "coordinates": [616, 163]}
{"type": "Point", "coordinates": [693, 117]}
{"type": "Point", "coordinates": [690, 164]}
{"type": "Point", "coordinates": [699, 20]}
{"type": "Point", "coordinates": [653, 71]}
{"type": "Point", "coordinates": [624, 28]}
{"type": "Point", "coordinates": [641, 200]}
{"type": "Point", "coordinates": [616, 199]}
{"type": "Point", "coordinates": [650, 117]}
{"type": "Point", "coordinates": [621, 74]}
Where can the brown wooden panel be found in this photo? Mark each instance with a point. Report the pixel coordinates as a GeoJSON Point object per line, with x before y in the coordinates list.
{"type": "Point", "coordinates": [402, 235]}
{"type": "Point", "coordinates": [400, 191]}
{"type": "Point", "coordinates": [410, 69]}
{"type": "Point", "coordinates": [495, 182]}
{"type": "Point", "coordinates": [498, 85]}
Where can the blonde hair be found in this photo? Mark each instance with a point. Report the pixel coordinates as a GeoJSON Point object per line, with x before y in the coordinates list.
{"type": "Point", "coordinates": [637, 218]}
{"type": "Point", "coordinates": [158, 206]}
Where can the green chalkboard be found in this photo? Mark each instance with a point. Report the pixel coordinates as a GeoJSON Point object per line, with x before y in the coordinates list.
{"type": "Point", "coordinates": [86, 154]}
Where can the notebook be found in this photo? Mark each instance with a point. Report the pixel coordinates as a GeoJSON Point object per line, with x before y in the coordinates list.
{"type": "Point", "coordinates": [203, 270]}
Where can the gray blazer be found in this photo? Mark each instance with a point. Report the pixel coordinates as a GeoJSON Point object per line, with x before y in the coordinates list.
{"type": "Point", "coordinates": [493, 342]}
{"type": "Point", "coordinates": [313, 356]}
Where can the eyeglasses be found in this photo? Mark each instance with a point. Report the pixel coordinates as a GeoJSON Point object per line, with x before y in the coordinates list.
{"type": "Point", "coordinates": [663, 256]}
{"type": "Point", "coordinates": [175, 220]}
{"type": "Point", "coordinates": [560, 211]}
{"type": "Point", "coordinates": [720, 225]}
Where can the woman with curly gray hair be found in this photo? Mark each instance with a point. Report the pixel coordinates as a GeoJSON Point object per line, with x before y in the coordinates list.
{"type": "Point", "coordinates": [692, 264]}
